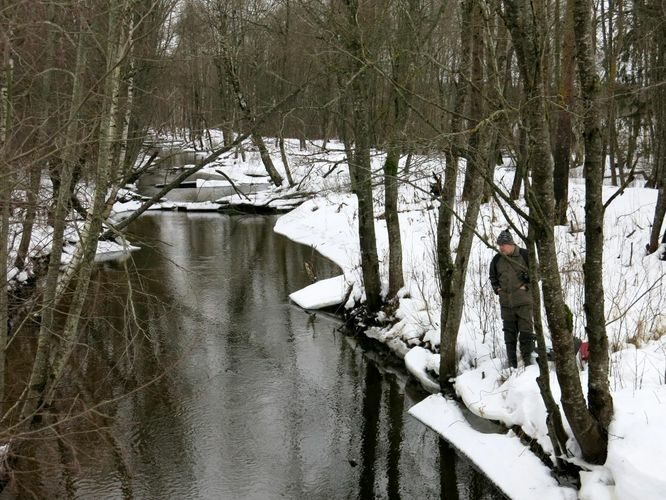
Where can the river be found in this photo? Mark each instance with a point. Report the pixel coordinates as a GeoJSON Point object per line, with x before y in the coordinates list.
{"type": "Point", "coordinates": [196, 378]}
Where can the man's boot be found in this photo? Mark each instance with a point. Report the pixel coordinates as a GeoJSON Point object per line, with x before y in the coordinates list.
{"type": "Point", "coordinates": [511, 355]}
{"type": "Point", "coordinates": [526, 347]}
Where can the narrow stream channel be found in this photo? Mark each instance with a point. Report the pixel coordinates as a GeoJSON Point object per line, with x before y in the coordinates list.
{"type": "Point", "coordinates": [219, 388]}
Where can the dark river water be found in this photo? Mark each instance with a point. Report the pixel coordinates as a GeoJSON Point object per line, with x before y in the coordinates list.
{"type": "Point", "coordinates": [215, 386]}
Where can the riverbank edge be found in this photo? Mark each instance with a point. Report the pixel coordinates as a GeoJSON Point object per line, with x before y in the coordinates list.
{"type": "Point", "coordinates": [360, 323]}
{"type": "Point", "coordinates": [356, 319]}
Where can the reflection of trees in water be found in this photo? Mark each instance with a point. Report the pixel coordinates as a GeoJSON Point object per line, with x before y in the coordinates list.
{"type": "Point", "coordinates": [371, 412]}
{"type": "Point", "coordinates": [169, 339]}
{"type": "Point", "coordinates": [115, 366]}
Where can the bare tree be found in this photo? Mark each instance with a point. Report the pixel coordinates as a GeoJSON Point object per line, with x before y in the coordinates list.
{"type": "Point", "coordinates": [403, 58]}
{"type": "Point", "coordinates": [39, 374]}
{"type": "Point", "coordinates": [445, 263]}
{"type": "Point", "coordinates": [360, 164]}
{"type": "Point", "coordinates": [564, 127]}
{"type": "Point", "coordinates": [658, 11]}
{"type": "Point", "coordinates": [6, 78]}
{"type": "Point", "coordinates": [527, 26]}
{"type": "Point", "coordinates": [477, 169]}
{"type": "Point", "coordinates": [224, 20]}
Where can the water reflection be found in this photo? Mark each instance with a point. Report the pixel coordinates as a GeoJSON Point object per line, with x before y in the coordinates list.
{"type": "Point", "coordinates": [217, 387]}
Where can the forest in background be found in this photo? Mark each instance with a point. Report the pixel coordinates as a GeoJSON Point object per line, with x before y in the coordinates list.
{"type": "Point", "coordinates": [85, 86]}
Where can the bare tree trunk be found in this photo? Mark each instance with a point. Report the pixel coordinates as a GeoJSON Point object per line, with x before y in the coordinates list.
{"type": "Point", "coordinates": [526, 32]}
{"type": "Point", "coordinates": [35, 170]}
{"type": "Point", "coordinates": [556, 433]}
{"type": "Point", "coordinates": [391, 184]}
{"type": "Point", "coordinates": [32, 199]}
{"type": "Point", "coordinates": [475, 174]}
{"type": "Point", "coordinates": [449, 360]}
{"type": "Point", "coordinates": [285, 161]}
{"type": "Point", "coordinates": [445, 264]}
{"type": "Point", "coordinates": [5, 212]}
{"type": "Point", "coordinates": [607, 39]}
{"type": "Point", "coordinates": [563, 134]}
{"type": "Point", "coordinates": [110, 129]}
{"type": "Point", "coordinates": [658, 178]}
{"type": "Point", "coordinates": [231, 72]}
{"type": "Point", "coordinates": [599, 397]}
{"type": "Point", "coordinates": [361, 166]}
{"type": "Point", "coordinates": [501, 64]}
{"type": "Point", "coordinates": [345, 137]}
{"type": "Point", "coordinates": [658, 220]}
{"type": "Point", "coordinates": [39, 373]}
{"type": "Point", "coordinates": [258, 141]}
{"type": "Point", "coordinates": [6, 181]}
{"type": "Point", "coordinates": [226, 120]}
{"type": "Point", "coordinates": [118, 152]}
{"type": "Point", "coordinates": [522, 162]}
{"type": "Point", "coordinates": [366, 217]}
{"type": "Point", "coordinates": [403, 55]}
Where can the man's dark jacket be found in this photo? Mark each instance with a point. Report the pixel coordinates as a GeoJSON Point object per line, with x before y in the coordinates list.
{"type": "Point", "coordinates": [509, 278]}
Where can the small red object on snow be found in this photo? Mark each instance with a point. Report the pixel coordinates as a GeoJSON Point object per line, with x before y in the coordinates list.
{"type": "Point", "coordinates": [584, 351]}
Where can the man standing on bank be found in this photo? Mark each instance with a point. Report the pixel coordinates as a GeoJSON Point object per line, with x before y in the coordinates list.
{"type": "Point", "coordinates": [510, 280]}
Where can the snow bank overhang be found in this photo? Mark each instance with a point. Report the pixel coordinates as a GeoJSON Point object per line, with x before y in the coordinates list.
{"type": "Point", "coordinates": [502, 457]}
{"type": "Point", "coordinates": [109, 250]}
{"type": "Point", "coordinates": [324, 293]}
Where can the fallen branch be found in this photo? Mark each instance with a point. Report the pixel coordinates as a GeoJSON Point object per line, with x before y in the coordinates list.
{"type": "Point", "coordinates": [299, 194]}
{"type": "Point", "coordinates": [233, 185]}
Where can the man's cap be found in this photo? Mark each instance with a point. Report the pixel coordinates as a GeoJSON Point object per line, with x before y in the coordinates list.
{"type": "Point", "coordinates": [505, 238]}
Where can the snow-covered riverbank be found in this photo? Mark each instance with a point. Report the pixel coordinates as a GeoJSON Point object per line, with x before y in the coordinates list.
{"type": "Point", "coordinates": [635, 300]}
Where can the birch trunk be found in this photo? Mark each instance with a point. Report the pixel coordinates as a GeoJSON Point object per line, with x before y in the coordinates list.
{"type": "Point", "coordinates": [118, 150]}
{"type": "Point", "coordinates": [119, 40]}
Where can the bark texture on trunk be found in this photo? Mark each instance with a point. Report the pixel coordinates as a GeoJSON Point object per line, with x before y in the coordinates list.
{"type": "Point", "coordinates": [527, 26]}
{"type": "Point", "coordinates": [659, 170]}
{"type": "Point", "coordinates": [556, 433]}
{"type": "Point", "coordinates": [111, 129]}
{"type": "Point", "coordinates": [7, 185]}
{"type": "Point", "coordinates": [445, 264]}
{"type": "Point", "coordinates": [361, 165]}
{"type": "Point", "coordinates": [476, 171]}
{"type": "Point", "coordinates": [285, 162]}
{"type": "Point", "coordinates": [563, 128]}
{"type": "Point", "coordinates": [366, 218]}
{"type": "Point", "coordinates": [391, 184]}
{"type": "Point", "coordinates": [599, 397]}
{"type": "Point", "coordinates": [46, 337]}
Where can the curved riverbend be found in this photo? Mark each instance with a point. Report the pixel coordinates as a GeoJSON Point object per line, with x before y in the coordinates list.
{"type": "Point", "coordinates": [221, 388]}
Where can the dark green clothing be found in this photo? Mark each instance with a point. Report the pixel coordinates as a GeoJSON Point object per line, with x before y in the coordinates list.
{"type": "Point", "coordinates": [509, 279]}
{"type": "Point", "coordinates": [518, 318]}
